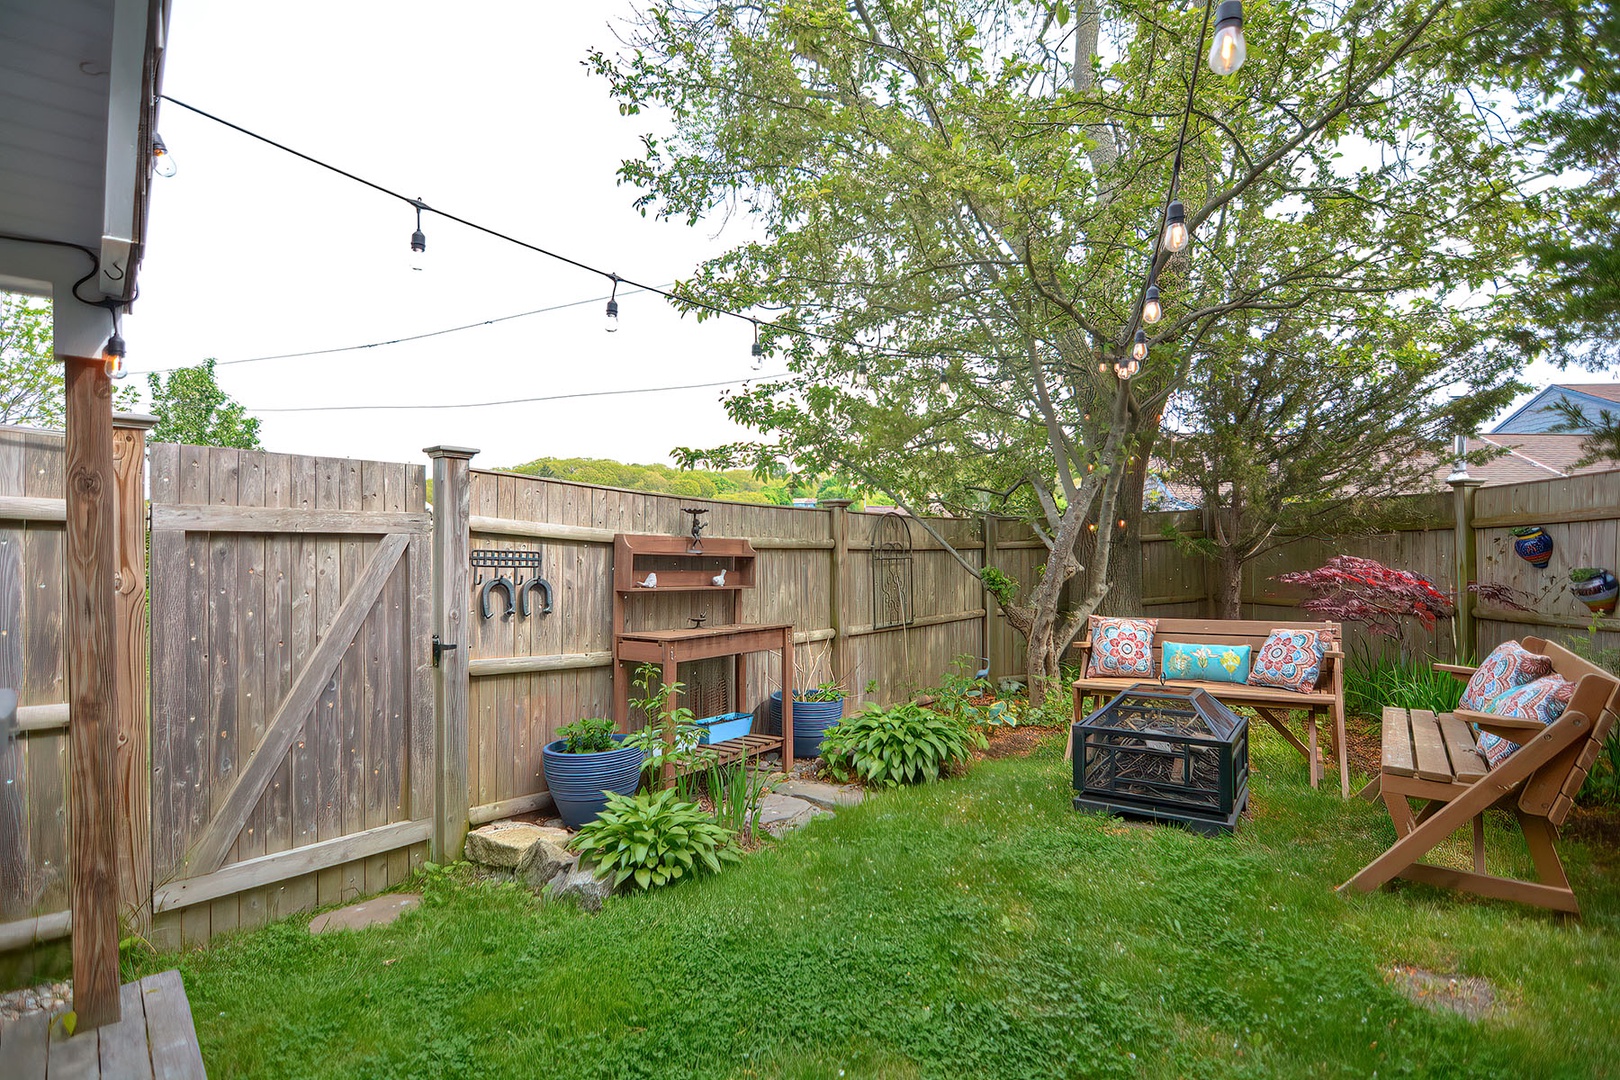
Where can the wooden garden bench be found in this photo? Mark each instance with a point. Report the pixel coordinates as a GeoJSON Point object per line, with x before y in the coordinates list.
{"type": "Point", "coordinates": [1437, 759]}
{"type": "Point", "coordinates": [1270, 703]}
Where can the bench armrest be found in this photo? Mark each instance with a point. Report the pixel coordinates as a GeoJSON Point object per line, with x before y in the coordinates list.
{"type": "Point", "coordinates": [1461, 671]}
{"type": "Point", "coordinates": [1507, 727]}
{"type": "Point", "coordinates": [1333, 654]}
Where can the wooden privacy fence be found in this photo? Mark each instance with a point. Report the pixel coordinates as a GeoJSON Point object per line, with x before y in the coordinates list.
{"type": "Point", "coordinates": [289, 736]}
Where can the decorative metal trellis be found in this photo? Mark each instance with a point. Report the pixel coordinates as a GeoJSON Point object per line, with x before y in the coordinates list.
{"type": "Point", "coordinates": [892, 574]}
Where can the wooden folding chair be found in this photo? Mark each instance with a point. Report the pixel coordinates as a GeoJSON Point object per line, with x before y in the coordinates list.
{"type": "Point", "coordinates": [1436, 759]}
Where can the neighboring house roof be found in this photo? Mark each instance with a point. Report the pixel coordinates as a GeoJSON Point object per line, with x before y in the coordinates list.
{"type": "Point", "coordinates": [1538, 415]}
{"type": "Point", "coordinates": [1529, 457]}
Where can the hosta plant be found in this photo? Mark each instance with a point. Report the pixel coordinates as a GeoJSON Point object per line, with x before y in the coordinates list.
{"type": "Point", "coordinates": [907, 744]}
{"type": "Point", "coordinates": [653, 838]}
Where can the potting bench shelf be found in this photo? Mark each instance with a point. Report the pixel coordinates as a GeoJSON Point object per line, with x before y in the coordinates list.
{"type": "Point", "coordinates": [681, 569]}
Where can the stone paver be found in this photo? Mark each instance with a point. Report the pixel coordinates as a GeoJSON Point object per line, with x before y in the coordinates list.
{"type": "Point", "coordinates": [784, 813]}
{"type": "Point", "coordinates": [378, 911]}
{"type": "Point", "coordinates": [503, 844]}
{"type": "Point", "coordinates": [826, 796]}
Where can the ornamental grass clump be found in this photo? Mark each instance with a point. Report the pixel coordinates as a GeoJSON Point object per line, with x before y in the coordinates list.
{"type": "Point", "coordinates": [653, 839]}
{"type": "Point", "coordinates": [907, 744]}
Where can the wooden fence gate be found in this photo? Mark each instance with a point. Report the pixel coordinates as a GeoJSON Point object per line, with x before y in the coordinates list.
{"type": "Point", "coordinates": [292, 710]}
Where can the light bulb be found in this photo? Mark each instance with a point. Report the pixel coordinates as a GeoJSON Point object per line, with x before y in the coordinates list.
{"type": "Point", "coordinates": [860, 373]}
{"type": "Point", "coordinates": [944, 380]}
{"type": "Point", "coordinates": [1152, 310]}
{"type": "Point", "coordinates": [112, 356]}
{"type": "Point", "coordinates": [418, 238]}
{"type": "Point", "coordinates": [1131, 369]}
{"type": "Point", "coordinates": [1122, 523]}
{"type": "Point", "coordinates": [612, 322]}
{"type": "Point", "coordinates": [1175, 226]}
{"type": "Point", "coordinates": [1102, 367]}
{"type": "Point", "coordinates": [1139, 347]}
{"type": "Point", "coordinates": [1228, 51]}
{"type": "Point", "coordinates": [162, 160]}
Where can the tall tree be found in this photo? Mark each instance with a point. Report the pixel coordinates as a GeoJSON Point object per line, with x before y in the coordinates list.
{"type": "Point", "coordinates": [191, 408]}
{"type": "Point", "coordinates": [960, 198]}
{"type": "Point", "coordinates": [1306, 422]}
{"type": "Point", "coordinates": [1562, 60]}
{"type": "Point", "coordinates": [32, 392]}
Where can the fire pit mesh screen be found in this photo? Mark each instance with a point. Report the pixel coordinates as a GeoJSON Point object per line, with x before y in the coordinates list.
{"type": "Point", "coordinates": [1164, 753]}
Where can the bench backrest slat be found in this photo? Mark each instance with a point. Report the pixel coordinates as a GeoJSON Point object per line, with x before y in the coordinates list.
{"type": "Point", "coordinates": [1551, 790]}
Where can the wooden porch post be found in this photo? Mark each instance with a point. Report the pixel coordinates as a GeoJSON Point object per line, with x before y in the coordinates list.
{"type": "Point", "coordinates": [92, 563]}
{"type": "Point", "coordinates": [133, 826]}
{"type": "Point", "coordinates": [452, 492]}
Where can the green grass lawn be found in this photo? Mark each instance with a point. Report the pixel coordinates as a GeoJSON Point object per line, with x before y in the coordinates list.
{"type": "Point", "coordinates": [973, 928]}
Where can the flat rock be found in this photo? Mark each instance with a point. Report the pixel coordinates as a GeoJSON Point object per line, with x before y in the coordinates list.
{"type": "Point", "coordinates": [503, 845]}
{"type": "Point", "coordinates": [784, 813]}
{"type": "Point", "coordinates": [582, 886]}
{"type": "Point", "coordinates": [378, 911]}
{"type": "Point", "coordinates": [826, 796]}
{"type": "Point", "coordinates": [545, 859]}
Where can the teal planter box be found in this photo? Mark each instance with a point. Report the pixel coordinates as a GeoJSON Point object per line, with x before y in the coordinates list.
{"type": "Point", "coordinates": [731, 725]}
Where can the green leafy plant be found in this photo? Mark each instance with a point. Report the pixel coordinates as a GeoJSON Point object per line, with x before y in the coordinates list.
{"type": "Point", "coordinates": [653, 838]}
{"type": "Point", "coordinates": [736, 791]}
{"type": "Point", "coordinates": [1525, 530]}
{"type": "Point", "coordinates": [907, 744]}
{"type": "Point", "coordinates": [1373, 681]}
{"type": "Point", "coordinates": [827, 691]}
{"type": "Point", "coordinates": [591, 735]}
{"type": "Point", "coordinates": [1579, 574]}
{"type": "Point", "coordinates": [961, 694]}
{"type": "Point", "coordinates": [687, 754]}
{"type": "Point", "coordinates": [999, 585]}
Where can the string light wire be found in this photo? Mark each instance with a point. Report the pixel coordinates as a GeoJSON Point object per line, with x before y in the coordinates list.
{"type": "Point", "coordinates": [522, 401]}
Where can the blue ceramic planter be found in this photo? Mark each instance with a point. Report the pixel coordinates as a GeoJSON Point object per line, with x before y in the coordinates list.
{"type": "Point", "coordinates": [1598, 594]}
{"type": "Point", "coordinates": [579, 783]}
{"type": "Point", "coordinates": [811, 719]}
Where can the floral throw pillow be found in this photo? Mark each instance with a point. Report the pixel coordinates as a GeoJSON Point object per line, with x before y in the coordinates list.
{"type": "Point", "coordinates": [1121, 647]}
{"type": "Point", "coordinates": [1510, 665]}
{"type": "Point", "coordinates": [1290, 660]}
{"type": "Point", "coordinates": [1209, 663]}
{"type": "Point", "coordinates": [1540, 699]}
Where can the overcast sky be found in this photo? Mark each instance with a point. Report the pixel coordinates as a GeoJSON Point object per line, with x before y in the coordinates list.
{"type": "Point", "coordinates": [485, 110]}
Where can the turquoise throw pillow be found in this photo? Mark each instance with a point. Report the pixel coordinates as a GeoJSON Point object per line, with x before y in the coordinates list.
{"type": "Point", "coordinates": [1207, 663]}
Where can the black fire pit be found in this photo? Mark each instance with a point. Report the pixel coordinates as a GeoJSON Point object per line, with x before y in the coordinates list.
{"type": "Point", "coordinates": [1165, 754]}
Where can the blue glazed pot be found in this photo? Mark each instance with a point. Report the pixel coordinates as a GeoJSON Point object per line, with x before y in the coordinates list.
{"type": "Point", "coordinates": [1598, 594]}
{"type": "Point", "coordinates": [811, 719]}
{"type": "Point", "coordinates": [579, 783]}
{"type": "Point", "coordinates": [1534, 548]}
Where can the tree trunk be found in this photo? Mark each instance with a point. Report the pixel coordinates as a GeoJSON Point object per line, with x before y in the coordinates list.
{"type": "Point", "coordinates": [1228, 584]}
{"type": "Point", "coordinates": [1125, 592]}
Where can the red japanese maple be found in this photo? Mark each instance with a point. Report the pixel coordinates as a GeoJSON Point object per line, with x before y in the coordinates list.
{"type": "Point", "coordinates": [1351, 589]}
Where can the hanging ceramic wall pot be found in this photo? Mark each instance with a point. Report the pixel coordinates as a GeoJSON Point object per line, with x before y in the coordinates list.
{"type": "Point", "coordinates": [1595, 587]}
{"type": "Point", "coordinates": [1533, 545]}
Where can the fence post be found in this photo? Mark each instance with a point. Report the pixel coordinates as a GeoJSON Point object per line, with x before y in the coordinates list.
{"type": "Point", "coordinates": [92, 557]}
{"type": "Point", "coordinates": [1463, 488]}
{"type": "Point", "coordinates": [989, 529]}
{"type": "Point", "coordinates": [452, 491]}
{"type": "Point", "coordinates": [838, 527]}
{"type": "Point", "coordinates": [133, 823]}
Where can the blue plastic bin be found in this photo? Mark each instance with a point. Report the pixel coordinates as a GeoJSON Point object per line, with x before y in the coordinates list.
{"type": "Point", "coordinates": [731, 725]}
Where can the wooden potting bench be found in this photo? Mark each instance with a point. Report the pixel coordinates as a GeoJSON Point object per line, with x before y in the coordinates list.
{"type": "Point", "coordinates": [680, 569]}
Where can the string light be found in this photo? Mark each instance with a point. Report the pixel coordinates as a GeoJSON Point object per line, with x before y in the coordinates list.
{"type": "Point", "coordinates": [418, 238]}
{"type": "Point", "coordinates": [944, 379]}
{"type": "Point", "coordinates": [759, 350]}
{"type": "Point", "coordinates": [1175, 226]}
{"type": "Point", "coordinates": [1152, 310]}
{"type": "Point", "coordinates": [162, 160]}
{"type": "Point", "coordinates": [112, 353]}
{"type": "Point", "coordinates": [861, 378]}
{"type": "Point", "coordinates": [1139, 347]}
{"type": "Point", "coordinates": [612, 323]}
{"type": "Point", "coordinates": [1228, 51]}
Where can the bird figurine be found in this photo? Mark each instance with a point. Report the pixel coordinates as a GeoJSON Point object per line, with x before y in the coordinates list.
{"type": "Point", "coordinates": [720, 578]}
{"type": "Point", "coordinates": [650, 583]}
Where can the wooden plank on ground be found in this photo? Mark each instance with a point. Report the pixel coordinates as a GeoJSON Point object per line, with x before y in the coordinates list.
{"type": "Point", "coordinates": [1466, 759]}
{"type": "Point", "coordinates": [170, 1033]}
{"type": "Point", "coordinates": [22, 1045]}
{"type": "Point", "coordinates": [123, 1045]}
{"type": "Point", "coordinates": [1428, 748]}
